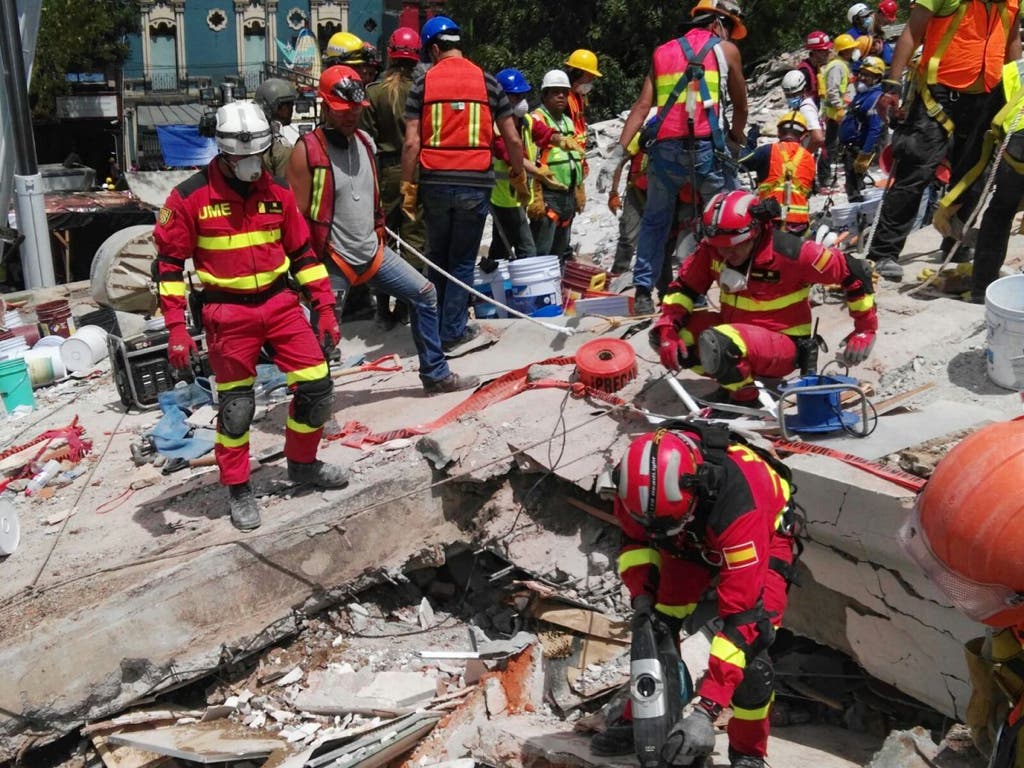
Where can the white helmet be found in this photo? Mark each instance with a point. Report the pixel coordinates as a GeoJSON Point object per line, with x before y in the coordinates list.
{"type": "Point", "coordinates": [242, 129]}
{"type": "Point", "coordinates": [794, 82]}
{"type": "Point", "coordinates": [857, 9]}
{"type": "Point", "coordinates": [555, 78]}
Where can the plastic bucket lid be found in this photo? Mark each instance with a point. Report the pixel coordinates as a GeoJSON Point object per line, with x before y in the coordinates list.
{"type": "Point", "coordinates": [10, 528]}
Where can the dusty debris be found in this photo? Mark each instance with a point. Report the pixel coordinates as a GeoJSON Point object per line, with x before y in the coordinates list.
{"type": "Point", "coordinates": [201, 744]}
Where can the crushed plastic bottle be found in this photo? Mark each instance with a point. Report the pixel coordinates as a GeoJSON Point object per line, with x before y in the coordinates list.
{"type": "Point", "coordinates": [39, 481]}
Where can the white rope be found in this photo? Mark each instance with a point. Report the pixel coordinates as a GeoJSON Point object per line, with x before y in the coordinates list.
{"type": "Point", "coordinates": [559, 329]}
{"type": "Point", "coordinates": [979, 209]}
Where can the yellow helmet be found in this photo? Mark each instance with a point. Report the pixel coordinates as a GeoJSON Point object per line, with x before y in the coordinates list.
{"type": "Point", "coordinates": [343, 46]}
{"type": "Point", "coordinates": [585, 60]}
{"type": "Point", "coordinates": [874, 65]}
{"type": "Point", "coordinates": [844, 42]}
{"type": "Point", "coordinates": [864, 45]}
{"type": "Point", "coordinates": [793, 122]}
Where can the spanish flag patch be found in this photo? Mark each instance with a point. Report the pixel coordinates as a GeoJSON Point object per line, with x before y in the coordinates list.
{"type": "Point", "coordinates": [822, 261]}
{"type": "Point", "coordinates": [740, 556]}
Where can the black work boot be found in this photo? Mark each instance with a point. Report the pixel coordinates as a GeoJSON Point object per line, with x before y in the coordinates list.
{"type": "Point", "coordinates": [453, 382]}
{"type": "Point", "coordinates": [318, 473]}
{"type": "Point", "coordinates": [616, 740]}
{"type": "Point", "coordinates": [889, 269]}
{"type": "Point", "coordinates": [643, 304]}
{"type": "Point", "coordinates": [245, 510]}
{"type": "Point", "coordinates": [736, 760]}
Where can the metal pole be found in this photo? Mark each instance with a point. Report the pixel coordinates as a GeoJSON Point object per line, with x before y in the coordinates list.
{"type": "Point", "coordinates": [37, 260]}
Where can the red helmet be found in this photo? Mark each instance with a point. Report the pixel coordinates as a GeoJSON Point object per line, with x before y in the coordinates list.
{"type": "Point", "coordinates": [341, 88]}
{"type": "Point", "coordinates": [728, 219]}
{"type": "Point", "coordinates": [667, 462]}
{"type": "Point", "coordinates": [888, 9]}
{"type": "Point", "coordinates": [404, 43]}
{"type": "Point", "coordinates": [818, 41]}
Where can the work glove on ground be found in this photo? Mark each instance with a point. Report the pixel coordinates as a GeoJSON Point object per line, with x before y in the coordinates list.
{"type": "Point", "coordinates": [863, 162]}
{"type": "Point", "coordinates": [581, 198]}
{"type": "Point", "coordinates": [614, 202]}
{"type": "Point", "coordinates": [671, 348]}
{"type": "Point", "coordinates": [409, 193]}
{"type": "Point", "coordinates": [547, 177]}
{"type": "Point", "coordinates": [180, 348]}
{"type": "Point", "coordinates": [608, 168]}
{"type": "Point", "coordinates": [691, 739]}
{"type": "Point", "coordinates": [328, 334]}
{"type": "Point", "coordinates": [856, 347]}
{"type": "Point", "coordinates": [520, 186]}
{"type": "Point", "coordinates": [535, 211]}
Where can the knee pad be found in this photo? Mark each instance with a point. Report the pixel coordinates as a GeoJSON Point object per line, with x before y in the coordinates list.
{"type": "Point", "coordinates": [313, 401]}
{"type": "Point", "coordinates": [718, 353]}
{"type": "Point", "coordinates": [237, 407]}
{"type": "Point", "coordinates": [758, 681]}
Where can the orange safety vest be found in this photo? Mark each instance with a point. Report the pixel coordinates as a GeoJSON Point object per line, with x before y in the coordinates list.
{"type": "Point", "coordinates": [455, 125]}
{"type": "Point", "coordinates": [790, 164]}
{"type": "Point", "coordinates": [670, 65]}
{"type": "Point", "coordinates": [969, 43]}
{"type": "Point", "coordinates": [321, 205]}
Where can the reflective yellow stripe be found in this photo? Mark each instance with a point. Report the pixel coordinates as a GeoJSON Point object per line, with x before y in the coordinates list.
{"type": "Point", "coordinates": [298, 426]}
{"type": "Point", "coordinates": [474, 124]}
{"type": "Point", "coordinates": [724, 649]}
{"type": "Point", "coordinates": [635, 557]}
{"type": "Point", "coordinates": [734, 336]}
{"type": "Point", "coordinates": [676, 611]}
{"type": "Point", "coordinates": [687, 336]}
{"type": "Point", "coordinates": [679, 300]}
{"type": "Point", "coordinates": [312, 373]}
{"type": "Point", "coordinates": [865, 302]}
{"type": "Point", "coordinates": [664, 85]}
{"type": "Point", "coordinates": [797, 330]}
{"type": "Point", "coordinates": [232, 442]}
{"type": "Point", "coordinates": [436, 118]}
{"type": "Point", "coordinates": [238, 240]}
{"type": "Point", "coordinates": [757, 305]}
{"type": "Point", "coordinates": [169, 288]}
{"type": "Point", "coordinates": [753, 714]}
{"type": "Point", "coordinates": [736, 386]}
{"type": "Point", "coordinates": [309, 274]}
{"type": "Point", "coordinates": [224, 386]}
{"type": "Point", "coordinates": [245, 282]}
{"type": "Point", "coordinates": [319, 175]}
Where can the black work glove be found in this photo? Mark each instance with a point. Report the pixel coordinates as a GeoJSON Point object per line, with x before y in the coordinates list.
{"type": "Point", "coordinates": [690, 740]}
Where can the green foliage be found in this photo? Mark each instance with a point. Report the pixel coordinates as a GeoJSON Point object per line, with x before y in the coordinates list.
{"type": "Point", "coordinates": [78, 36]}
{"type": "Point", "coordinates": [535, 36]}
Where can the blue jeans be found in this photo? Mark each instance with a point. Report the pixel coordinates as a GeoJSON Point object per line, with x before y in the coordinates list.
{"type": "Point", "coordinates": [455, 217]}
{"type": "Point", "coordinates": [668, 169]}
{"type": "Point", "coordinates": [400, 279]}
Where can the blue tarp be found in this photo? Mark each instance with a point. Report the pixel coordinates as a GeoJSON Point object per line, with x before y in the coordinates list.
{"type": "Point", "coordinates": [183, 147]}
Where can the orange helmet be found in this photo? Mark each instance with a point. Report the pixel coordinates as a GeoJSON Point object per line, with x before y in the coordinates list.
{"type": "Point", "coordinates": [657, 481]}
{"type": "Point", "coordinates": [965, 529]}
{"type": "Point", "coordinates": [341, 88]}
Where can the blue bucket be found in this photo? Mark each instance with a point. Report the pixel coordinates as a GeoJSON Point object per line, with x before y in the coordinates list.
{"type": "Point", "coordinates": [15, 384]}
{"type": "Point", "coordinates": [820, 411]}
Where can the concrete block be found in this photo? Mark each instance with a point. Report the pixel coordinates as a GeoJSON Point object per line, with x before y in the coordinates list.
{"type": "Point", "coordinates": [448, 444]}
{"type": "Point", "coordinates": [494, 697]}
{"type": "Point", "coordinates": [906, 749]}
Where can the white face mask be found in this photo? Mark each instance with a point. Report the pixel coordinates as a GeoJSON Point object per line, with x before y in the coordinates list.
{"type": "Point", "coordinates": [794, 102]}
{"type": "Point", "coordinates": [862, 87]}
{"type": "Point", "coordinates": [584, 88]}
{"type": "Point", "coordinates": [856, 56]}
{"type": "Point", "coordinates": [521, 108]}
{"type": "Point", "coordinates": [732, 281]}
{"type": "Point", "coordinates": [248, 168]}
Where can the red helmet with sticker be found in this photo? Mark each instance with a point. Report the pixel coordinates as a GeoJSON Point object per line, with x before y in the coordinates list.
{"type": "Point", "coordinates": [728, 219]}
{"type": "Point", "coordinates": [818, 41]}
{"type": "Point", "coordinates": [657, 481]}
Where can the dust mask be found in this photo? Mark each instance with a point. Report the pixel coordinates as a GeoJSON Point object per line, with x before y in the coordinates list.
{"type": "Point", "coordinates": [734, 281]}
{"type": "Point", "coordinates": [248, 168]}
{"type": "Point", "coordinates": [856, 56]}
{"type": "Point", "coordinates": [794, 102]}
{"type": "Point", "coordinates": [862, 87]}
{"type": "Point", "coordinates": [521, 108]}
{"type": "Point", "coordinates": [584, 88]}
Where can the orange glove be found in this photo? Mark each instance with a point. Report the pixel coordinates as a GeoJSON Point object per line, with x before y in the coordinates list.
{"type": "Point", "coordinates": [614, 202]}
{"type": "Point", "coordinates": [409, 192]}
{"type": "Point", "coordinates": [520, 186]}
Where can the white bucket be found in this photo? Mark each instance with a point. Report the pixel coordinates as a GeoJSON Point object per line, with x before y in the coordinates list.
{"type": "Point", "coordinates": [537, 286]}
{"type": "Point", "coordinates": [84, 349]}
{"type": "Point", "coordinates": [1004, 323]}
{"type": "Point", "coordinates": [844, 217]}
{"type": "Point", "coordinates": [44, 365]}
{"type": "Point", "coordinates": [868, 208]}
{"type": "Point", "coordinates": [494, 284]}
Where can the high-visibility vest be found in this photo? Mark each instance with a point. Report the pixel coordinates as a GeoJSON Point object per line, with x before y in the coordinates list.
{"type": "Point", "coordinates": [829, 111]}
{"type": "Point", "coordinates": [321, 203]}
{"type": "Point", "coordinates": [456, 122]}
{"type": "Point", "coordinates": [502, 194]}
{"type": "Point", "coordinates": [566, 165]}
{"type": "Point", "coordinates": [969, 43]}
{"type": "Point", "coordinates": [791, 170]}
{"type": "Point", "coordinates": [670, 65]}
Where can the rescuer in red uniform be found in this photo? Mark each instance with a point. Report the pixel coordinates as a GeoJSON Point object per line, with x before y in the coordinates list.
{"type": "Point", "coordinates": [764, 325]}
{"type": "Point", "coordinates": [695, 506]}
{"type": "Point", "coordinates": [246, 236]}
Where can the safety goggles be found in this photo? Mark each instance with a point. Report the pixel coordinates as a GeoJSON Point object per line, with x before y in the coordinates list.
{"type": "Point", "coordinates": [977, 601]}
{"type": "Point", "coordinates": [351, 90]}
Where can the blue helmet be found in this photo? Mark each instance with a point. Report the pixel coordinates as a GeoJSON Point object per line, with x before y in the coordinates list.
{"type": "Point", "coordinates": [513, 81]}
{"type": "Point", "coordinates": [436, 26]}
